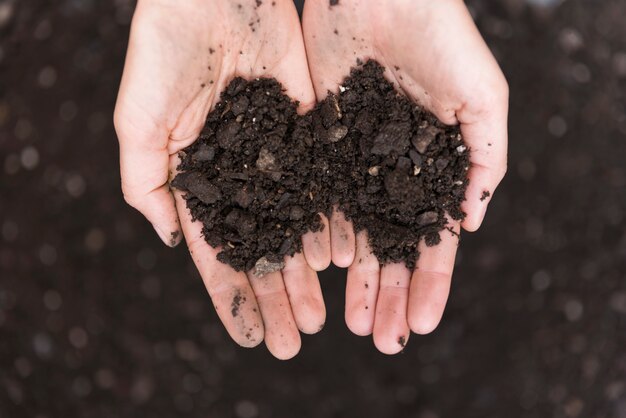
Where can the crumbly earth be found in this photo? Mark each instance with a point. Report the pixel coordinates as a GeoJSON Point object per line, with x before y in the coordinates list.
{"type": "Point", "coordinates": [99, 319]}
{"type": "Point", "coordinates": [259, 174]}
{"type": "Point", "coordinates": [247, 181]}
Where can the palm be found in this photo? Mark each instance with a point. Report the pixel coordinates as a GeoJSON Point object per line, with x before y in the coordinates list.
{"type": "Point", "coordinates": [180, 57]}
{"type": "Point", "coordinates": [432, 52]}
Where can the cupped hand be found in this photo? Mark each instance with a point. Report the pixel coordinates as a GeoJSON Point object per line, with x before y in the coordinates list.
{"type": "Point", "coordinates": [181, 55]}
{"type": "Point", "coordinates": [433, 52]}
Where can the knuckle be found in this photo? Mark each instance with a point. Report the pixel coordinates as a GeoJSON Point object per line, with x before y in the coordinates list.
{"type": "Point", "coordinates": [130, 196]}
{"type": "Point", "coordinates": [501, 171]}
{"type": "Point", "coordinates": [118, 120]}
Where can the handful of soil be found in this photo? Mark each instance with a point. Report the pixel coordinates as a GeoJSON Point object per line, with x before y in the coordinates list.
{"type": "Point", "coordinates": [259, 173]}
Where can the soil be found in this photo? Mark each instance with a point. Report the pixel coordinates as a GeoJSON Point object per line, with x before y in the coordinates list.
{"type": "Point", "coordinates": [99, 319]}
{"type": "Point", "coordinates": [246, 181]}
{"type": "Point", "coordinates": [259, 173]}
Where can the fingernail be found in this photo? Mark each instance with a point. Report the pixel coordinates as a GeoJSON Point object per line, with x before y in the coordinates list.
{"type": "Point", "coordinates": [171, 240]}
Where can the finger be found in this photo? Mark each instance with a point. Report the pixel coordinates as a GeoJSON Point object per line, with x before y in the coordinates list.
{"type": "Point", "coordinates": [281, 334]}
{"type": "Point", "coordinates": [342, 239]}
{"type": "Point", "coordinates": [487, 141]}
{"type": "Point", "coordinates": [305, 294]}
{"type": "Point", "coordinates": [430, 284]}
{"type": "Point", "coordinates": [362, 288]}
{"type": "Point", "coordinates": [282, 54]}
{"type": "Point", "coordinates": [316, 247]}
{"type": "Point", "coordinates": [144, 171]}
{"type": "Point", "coordinates": [334, 40]}
{"type": "Point", "coordinates": [229, 290]}
{"type": "Point", "coordinates": [391, 330]}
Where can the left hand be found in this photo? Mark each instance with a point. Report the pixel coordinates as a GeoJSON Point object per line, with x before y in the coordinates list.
{"type": "Point", "coordinates": [181, 55]}
{"type": "Point", "coordinates": [433, 52]}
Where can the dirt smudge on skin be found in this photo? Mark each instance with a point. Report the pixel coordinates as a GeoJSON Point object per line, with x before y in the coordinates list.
{"type": "Point", "coordinates": [402, 341]}
{"type": "Point", "coordinates": [238, 299]}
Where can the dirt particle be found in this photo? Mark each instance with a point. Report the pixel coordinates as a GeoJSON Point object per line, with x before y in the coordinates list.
{"type": "Point", "coordinates": [424, 137]}
{"type": "Point", "coordinates": [174, 238]}
{"type": "Point", "coordinates": [484, 195]}
{"type": "Point", "coordinates": [402, 341]}
{"type": "Point", "coordinates": [237, 301]}
{"type": "Point", "coordinates": [264, 266]}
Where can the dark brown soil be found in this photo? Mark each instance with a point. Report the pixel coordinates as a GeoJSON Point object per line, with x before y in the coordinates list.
{"type": "Point", "coordinates": [243, 176]}
{"type": "Point", "coordinates": [259, 173]}
{"type": "Point", "coordinates": [99, 319]}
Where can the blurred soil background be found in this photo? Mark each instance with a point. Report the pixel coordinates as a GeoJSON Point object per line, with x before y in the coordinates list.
{"type": "Point", "coordinates": [99, 319]}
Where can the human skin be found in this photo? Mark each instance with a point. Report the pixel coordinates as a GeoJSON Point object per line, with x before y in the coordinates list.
{"type": "Point", "coordinates": [181, 55]}
{"type": "Point", "coordinates": [432, 52]}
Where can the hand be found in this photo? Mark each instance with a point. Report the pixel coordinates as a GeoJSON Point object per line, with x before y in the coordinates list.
{"type": "Point", "coordinates": [181, 55]}
{"type": "Point", "coordinates": [432, 52]}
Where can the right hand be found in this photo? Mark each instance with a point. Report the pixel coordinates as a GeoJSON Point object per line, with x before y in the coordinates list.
{"type": "Point", "coordinates": [433, 53]}
{"type": "Point", "coordinates": [181, 55]}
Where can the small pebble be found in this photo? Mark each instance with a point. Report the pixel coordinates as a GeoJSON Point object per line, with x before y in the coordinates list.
{"type": "Point", "coordinates": [373, 171]}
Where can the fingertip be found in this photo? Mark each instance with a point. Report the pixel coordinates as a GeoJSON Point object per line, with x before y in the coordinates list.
{"type": "Point", "coordinates": [284, 351]}
{"type": "Point", "coordinates": [390, 346]}
{"type": "Point", "coordinates": [250, 339]}
{"type": "Point", "coordinates": [320, 264]}
{"type": "Point", "coordinates": [471, 224]}
{"type": "Point", "coordinates": [312, 328]}
{"type": "Point", "coordinates": [343, 259]}
{"type": "Point", "coordinates": [475, 214]}
{"type": "Point", "coordinates": [171, 239]}
{"type": "Point", "coordinates": [423, 325]}
{"type": "Point", "coordinates": [359, 325]}
{"type": "Point", "coordinates": [316, 247]}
